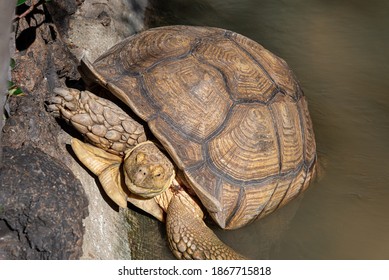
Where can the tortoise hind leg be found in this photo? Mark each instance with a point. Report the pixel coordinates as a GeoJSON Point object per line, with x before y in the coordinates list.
{"type": "Point", "coordinates": [188, 235]}
{"type": "Point", "coordinates": [103, 123]}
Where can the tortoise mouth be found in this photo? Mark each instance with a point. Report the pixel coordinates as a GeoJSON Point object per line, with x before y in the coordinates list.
{"type": "Point", "coordinates": [145, 191]}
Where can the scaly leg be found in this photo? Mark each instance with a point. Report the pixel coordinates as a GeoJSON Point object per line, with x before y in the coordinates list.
{"type": "Point", "coordinates": [189, 237]}
{"type": "Point", "coordinates": [101, 121]}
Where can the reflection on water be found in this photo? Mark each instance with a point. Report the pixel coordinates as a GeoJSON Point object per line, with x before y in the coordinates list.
{"type": "Point", "coordinates": [339, 52]}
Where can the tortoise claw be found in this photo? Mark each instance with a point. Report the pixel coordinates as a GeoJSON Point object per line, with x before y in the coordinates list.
{"type": "Point", "coordinates": [106, 166]}
{"type": "Point", "coordinates": [95, 159]}
{"type": "Point", "coordinates": [111, 182]}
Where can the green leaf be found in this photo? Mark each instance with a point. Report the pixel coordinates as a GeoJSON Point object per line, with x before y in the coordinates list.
{"type": "Point", "coordinates": [10, 84]}
{"type": "Point", "coordinates": [15, 91]}
{"type": "Point", "coordinates": [12, 63]}
{"type": "Point", "coordinates": [11, 91]}
{"type": "Point", "coordinates": [20, 2]}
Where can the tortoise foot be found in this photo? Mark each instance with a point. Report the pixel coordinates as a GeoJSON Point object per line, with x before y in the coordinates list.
{"type": "Point", "coordinates": [103, 123]}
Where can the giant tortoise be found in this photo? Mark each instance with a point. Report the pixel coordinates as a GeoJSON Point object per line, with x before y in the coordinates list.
{"type": "Point", "coordinates": [209, 120]}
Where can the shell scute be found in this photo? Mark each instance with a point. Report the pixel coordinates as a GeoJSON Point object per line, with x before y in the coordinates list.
{"type": "Point", "coordinates": [274, 66]}
{"type": "Point", "coordinates": [190, 94]}
{"type": "Point", "coordinates": [244, 77]}
{"type": "Point", "coordinates": [246, 149]}
{"type": "Point", "coordinates": [290, 134]}
{"type": "Point", "coordinates": [185, 152]}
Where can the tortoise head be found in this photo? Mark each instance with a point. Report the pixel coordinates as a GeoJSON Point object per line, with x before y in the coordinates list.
{"type": "Point", "coordinates": [147, 171]}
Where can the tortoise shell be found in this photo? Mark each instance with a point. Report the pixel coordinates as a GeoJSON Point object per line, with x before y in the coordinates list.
{"type": "Point", "coordinates": [229, 113]}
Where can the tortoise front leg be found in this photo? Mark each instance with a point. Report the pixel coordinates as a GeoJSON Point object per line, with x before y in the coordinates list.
{"type": "Point", "coordinates": [103, 123]}
{"type": "Point", "coordinates": [104, 165]}
{"type": "Point", "coordinates": [188, 235]}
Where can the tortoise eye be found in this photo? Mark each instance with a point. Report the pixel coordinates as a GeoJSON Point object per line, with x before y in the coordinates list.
{"type": "Point", "coordinates": [158, 171]}
{"type": "Point", "coordinates": [140, 157]}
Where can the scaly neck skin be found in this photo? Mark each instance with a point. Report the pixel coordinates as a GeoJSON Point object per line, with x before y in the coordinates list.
{"type": "Point", "coordinates": [165, 198]}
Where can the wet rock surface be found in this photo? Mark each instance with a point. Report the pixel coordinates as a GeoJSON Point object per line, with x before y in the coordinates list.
{"type": "Point", "coordinates": [41, 207]}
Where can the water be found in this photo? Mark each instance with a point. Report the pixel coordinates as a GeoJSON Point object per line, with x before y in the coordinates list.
{"type": "Point", "coordinates": [339, 50]}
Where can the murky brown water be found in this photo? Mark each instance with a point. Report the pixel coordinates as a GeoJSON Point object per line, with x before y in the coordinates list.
{"type": "Point", "coordinates": [339, 50]}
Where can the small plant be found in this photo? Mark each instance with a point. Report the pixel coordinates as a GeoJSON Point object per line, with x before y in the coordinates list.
{"type": "Point", "coordinates": [20, 2]}
{"type": "Point", "coordinates": [13, 89]}
{"type": "Point", "coordinates": [34, 3]}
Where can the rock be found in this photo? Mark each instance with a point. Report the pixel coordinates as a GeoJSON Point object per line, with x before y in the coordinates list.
{"type": "Point", "coordinates": [97, 25]}
{"type": "Point", "coordinates": [49, 43]}
{"type": "Point", "coordinates": [146, 236]}
{"type": "Point", "coordinates": [7, 11]}
{"type": "Point", "coordinates": [41, 207]}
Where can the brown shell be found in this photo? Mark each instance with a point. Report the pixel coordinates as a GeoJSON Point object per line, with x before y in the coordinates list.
{"type": "Point", "coordinates": [230, 114]}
